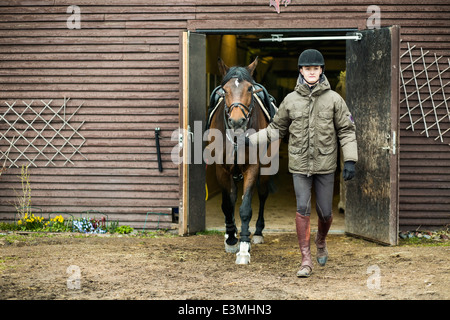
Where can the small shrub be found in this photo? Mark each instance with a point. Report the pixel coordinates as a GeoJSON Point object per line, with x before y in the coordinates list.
{"type": "Point", "coordinates": [124, 229]}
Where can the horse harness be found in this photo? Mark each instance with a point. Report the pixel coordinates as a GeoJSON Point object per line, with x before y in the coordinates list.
{"type": "Point", "coordinates": [246, 111]}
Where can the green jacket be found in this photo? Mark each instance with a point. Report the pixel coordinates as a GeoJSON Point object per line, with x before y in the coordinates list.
{"type": "Point", "coordinates": [315, 119]}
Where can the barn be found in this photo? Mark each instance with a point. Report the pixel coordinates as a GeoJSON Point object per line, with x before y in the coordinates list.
{"type": "Point", "coordinates": [93, 94]}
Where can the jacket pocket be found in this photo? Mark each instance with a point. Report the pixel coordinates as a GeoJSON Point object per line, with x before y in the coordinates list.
{"type": "Point", "coordinates": [297, 158]}
{"type": "Point", "coordinates": [326, 120]}
{"type": "Point", "coordinates": [297, 123]}
{"type": "Point", "coordinates": [326, 150]}
{"type": "Point", "coordinates": [293, 115]}
{"type": "Point", "coordinates": [327, 159]}
{"type": "Point", "coordinates": [295, 150]}
{"type": "Point", "coordinates": [326, 134]}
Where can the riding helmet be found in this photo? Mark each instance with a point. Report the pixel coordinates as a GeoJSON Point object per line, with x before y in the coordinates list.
{"type": "Point", "coordinates": [311, 57]}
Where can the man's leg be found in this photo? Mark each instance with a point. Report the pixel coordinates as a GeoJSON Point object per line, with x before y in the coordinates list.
{"type": "Point", "coordinates": [324, 186]}
{"type": "Point", "coordinates": [302, 187]}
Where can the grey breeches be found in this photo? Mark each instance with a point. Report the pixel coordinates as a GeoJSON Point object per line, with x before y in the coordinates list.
{"type": "Point", "coordinates": [323, 187]}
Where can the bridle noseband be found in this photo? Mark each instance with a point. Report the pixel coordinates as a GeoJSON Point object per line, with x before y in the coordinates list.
{"type": "Point", "coordinates": [246, 110]}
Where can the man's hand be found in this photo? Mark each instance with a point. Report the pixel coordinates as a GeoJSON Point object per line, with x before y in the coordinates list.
{"type": "Point", "coordinates": [349, 170]}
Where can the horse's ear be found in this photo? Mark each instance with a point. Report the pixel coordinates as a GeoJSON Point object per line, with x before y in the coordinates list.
{"type": "Point", "coordinates": [252, 66]}
{"type": "Point", "coordinates": [223, 68]}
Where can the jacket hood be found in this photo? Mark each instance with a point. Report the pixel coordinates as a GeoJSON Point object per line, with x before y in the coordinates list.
{"type": "Point", "coordinates": [305, 90]}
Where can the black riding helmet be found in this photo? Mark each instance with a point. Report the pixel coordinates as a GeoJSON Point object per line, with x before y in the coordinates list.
{"type": "Point", "coordinates": [311, 57]}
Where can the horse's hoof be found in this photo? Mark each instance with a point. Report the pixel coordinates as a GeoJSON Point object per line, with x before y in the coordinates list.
{"type": "Point", "coordinates": [243, 256]}
{"type": "Point", "coordinates": [231, 248]}
{"type": "Point", "coordinates": [257, 239]}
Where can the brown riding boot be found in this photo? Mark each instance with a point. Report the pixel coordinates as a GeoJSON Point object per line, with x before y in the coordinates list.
{"type": "Point", "coordinates": [303, 234]}
{"type": "Point", "coordinates": [322, 252]}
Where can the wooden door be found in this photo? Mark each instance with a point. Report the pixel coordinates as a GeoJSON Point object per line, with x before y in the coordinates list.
{"type": "Point", "coordinates": [372, 80]}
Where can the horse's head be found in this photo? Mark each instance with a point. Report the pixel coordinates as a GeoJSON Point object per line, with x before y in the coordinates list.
{"type": "Point", "coordinates": [237, 85]}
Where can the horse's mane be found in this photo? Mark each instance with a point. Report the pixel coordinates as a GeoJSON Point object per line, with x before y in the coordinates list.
{"type": "Point", "coordinates": [240, 73]}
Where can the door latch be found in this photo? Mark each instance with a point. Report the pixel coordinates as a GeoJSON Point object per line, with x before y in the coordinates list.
{"type": "Point", "coordinates": [394, 142]}
{"type": "Point", "coordinates": [189, 133]}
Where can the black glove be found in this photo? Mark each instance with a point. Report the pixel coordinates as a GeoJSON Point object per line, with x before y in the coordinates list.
{"type": "Point", "coordinates": [349, 170]}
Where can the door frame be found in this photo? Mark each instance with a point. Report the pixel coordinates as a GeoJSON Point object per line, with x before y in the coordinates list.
{"type": "Point", "coordinates": [184, 79]}
{"type": "Point", "coordinates": [192, 195]}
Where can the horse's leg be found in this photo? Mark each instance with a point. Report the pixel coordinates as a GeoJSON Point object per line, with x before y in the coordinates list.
{"type": "Point", "coordinates": [245, 212]}
{"type": "Point", "coordinates": [263, 193]}
{"type": "Point", "coordinates": [229, 192]}
{"type": "Point", "coordinates": [228, 204]}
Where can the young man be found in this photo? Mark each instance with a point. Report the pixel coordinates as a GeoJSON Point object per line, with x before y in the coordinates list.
{"type": "Point", "coordinates": [316, 119]}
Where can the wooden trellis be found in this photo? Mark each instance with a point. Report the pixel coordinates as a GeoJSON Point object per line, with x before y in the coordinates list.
{"type": "Point", "coordinates": [432, 104]}
{"type": "Point", "coordinates": [32, 142]}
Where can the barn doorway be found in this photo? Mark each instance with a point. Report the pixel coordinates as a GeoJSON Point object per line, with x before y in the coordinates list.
{"type": "Point", "coordinates": [277, 71]}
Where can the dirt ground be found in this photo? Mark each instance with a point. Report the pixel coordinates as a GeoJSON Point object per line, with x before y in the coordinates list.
{"type": "Point", "coordinates": [197, 267]}
{"type": "Point", "coordinates": [169, 267]}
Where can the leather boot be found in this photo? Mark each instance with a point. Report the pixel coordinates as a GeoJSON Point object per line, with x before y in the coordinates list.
{"type": "Point", "coordinates": [322, 251]}
{"type": "Point", "coordinates": [303, 234]}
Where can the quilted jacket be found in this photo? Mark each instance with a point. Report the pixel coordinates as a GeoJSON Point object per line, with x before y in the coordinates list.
{"type": "Point", "coordinates": [317, 120]}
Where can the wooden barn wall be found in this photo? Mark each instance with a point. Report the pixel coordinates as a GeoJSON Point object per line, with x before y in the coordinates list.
{"type": "Point", "coordinates": [123, 67]}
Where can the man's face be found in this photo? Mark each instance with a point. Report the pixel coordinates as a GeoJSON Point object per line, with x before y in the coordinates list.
{"type": "Point", "coordinates": [311, 73]}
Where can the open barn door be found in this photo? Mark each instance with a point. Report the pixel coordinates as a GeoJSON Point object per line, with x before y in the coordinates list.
{"type": "Point", "coordinates": [372, 80]}
{"type": "Point", "coordinates": [192, 120]}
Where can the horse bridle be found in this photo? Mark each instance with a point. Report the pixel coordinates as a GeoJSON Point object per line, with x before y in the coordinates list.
{"type": "Point", "coordinates": [246, 110]}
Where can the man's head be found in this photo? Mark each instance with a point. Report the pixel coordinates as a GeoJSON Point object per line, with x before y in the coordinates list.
{"type": "Point", "coordinates": [311, 65]}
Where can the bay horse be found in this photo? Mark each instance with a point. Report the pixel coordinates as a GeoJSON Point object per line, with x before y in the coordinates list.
{"type": "Point", "coordinates": [237, 112]}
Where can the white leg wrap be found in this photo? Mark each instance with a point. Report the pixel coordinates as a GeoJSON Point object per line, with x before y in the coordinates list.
{"type": "Point", "coordinates": [243, 256]}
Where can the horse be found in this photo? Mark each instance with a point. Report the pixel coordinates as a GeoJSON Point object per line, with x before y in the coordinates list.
{"type": "Point", "coordinates": [238, 112]}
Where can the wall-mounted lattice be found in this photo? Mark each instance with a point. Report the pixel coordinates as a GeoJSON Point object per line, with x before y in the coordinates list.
{"type": "Point", "coordinates": [39, 133]}
{"type": "Point", "coordinates": [423, 86]}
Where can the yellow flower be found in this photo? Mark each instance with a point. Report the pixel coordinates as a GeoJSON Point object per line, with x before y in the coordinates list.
{"type": "Point", "coordinates": [19, 222]}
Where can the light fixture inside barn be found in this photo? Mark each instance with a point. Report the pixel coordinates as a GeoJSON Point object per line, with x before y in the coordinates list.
{"type": "Point", "coordinates": [279, 38]}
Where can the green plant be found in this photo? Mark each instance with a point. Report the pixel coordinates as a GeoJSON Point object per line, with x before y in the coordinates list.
{"type": "Point", "coordinates": [124, 229]}
{"type": "Point", "coordinates": [23, 200]}
{"type": "Point", "coordinates": [113, 225]}
{"type": "Point", "coordinates": [8, 226]}
{"type": "Point", "coordinates": [57, 224]}
{"type": "Point", "coordinates": [31, 222]}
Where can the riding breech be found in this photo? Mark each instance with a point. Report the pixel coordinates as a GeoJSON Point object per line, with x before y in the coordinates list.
{"type": "Point", "coordinates": [323, 187]}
